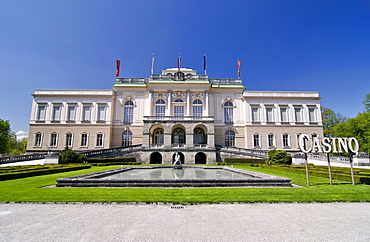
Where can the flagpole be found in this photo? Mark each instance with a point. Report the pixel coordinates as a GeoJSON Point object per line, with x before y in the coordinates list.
{"type": "Point", "coordinates": [152, 69]}
{"type": "Point", "coordinates": [204, 64]}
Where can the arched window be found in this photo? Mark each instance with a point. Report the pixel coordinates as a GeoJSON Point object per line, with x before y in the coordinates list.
{"type": "Point", "coordinates": [178, 109]}
{"type": "Point", "coordinates": [158, 137]}
{"type": "Point", "coordinates": [178, 137]}
{"type": "Point", "coordinates": [128, 112]}
{"type": "Point", "coordinates": [127, 138]}
{"type": "Point", "coordinates": [199, 137]}
{"type": "Point", "coordinates": [197, 108]}
{"type": "Point", "coordinates": [160, 107]}
{"type": "Point", "coordinates": [229, 138]}
{"type": "Point", "coordinates": [228, 112]}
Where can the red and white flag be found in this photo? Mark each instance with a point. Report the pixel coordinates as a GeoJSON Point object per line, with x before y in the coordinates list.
{"type": "Point", "coordinates": [118, 65]}
{"type": "Point", "coordinates": [239, 62]}
{"type": "Point", "coordinates": [178, 63]}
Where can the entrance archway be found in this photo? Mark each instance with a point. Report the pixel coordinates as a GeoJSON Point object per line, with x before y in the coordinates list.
{"type": "Point", "coordinates": [200, 158]}
{"type": "Point", "coordinates": [156, 158]}
{"type": "Point", "coordinates": [182, 157]}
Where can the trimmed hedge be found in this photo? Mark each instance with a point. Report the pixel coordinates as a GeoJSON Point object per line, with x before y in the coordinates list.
{"type": "Point", "coordinates": [114, 161]}
{"type": "Point", "coordinates": [23, 172]}
{"type": "Point", "coordinates": [244, 160]}
{"type": "Point", "coordinates": [338, 173]}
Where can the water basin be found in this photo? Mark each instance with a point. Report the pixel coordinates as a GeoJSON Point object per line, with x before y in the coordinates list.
{"type": "Point", "coordinates": [167, 176]}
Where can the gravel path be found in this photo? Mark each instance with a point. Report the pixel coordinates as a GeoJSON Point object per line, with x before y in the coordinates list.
{"type": "Point", "coordinates": [229, 222]}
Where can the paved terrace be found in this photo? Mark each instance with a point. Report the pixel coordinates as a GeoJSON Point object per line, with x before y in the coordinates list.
{"type": "Point", "coordinates": [233, 222]}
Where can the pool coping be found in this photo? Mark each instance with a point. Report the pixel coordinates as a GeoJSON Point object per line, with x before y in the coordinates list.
{"type": "Point", "coordinates": [94, 180]}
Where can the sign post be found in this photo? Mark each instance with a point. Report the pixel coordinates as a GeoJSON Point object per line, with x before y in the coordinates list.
{"type": "Point", "coordinates": [307, 171]}
{"type": "Point", "coordinates": [352, 173]}
{"type": "Point", "coordinates": [329, 169]}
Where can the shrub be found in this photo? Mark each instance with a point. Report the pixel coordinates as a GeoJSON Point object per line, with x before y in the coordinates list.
{"type": "Point", "coordinates": [127, 160]}
{"type": "Point", "coordinates": [279, 157]}
{"type": "Point", "coordinates": [244, 160]}
{"type": "Point", "coordinates": [69, 156]}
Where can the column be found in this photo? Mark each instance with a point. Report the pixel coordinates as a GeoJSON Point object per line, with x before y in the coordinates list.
{"type": "Point", "coordinates": [168, 110]}
{"type": "Point", "coordinates": [188, 102]}
{"type": "Point", "coordinates": [263, 113]}
{"type": "Point", "coordinates": [206, 112]}
{"type": "Point", "coordinates": [148, 111]}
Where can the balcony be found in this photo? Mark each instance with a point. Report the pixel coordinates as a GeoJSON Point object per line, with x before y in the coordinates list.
{"type": "Point", "coordinates": [178, 118]}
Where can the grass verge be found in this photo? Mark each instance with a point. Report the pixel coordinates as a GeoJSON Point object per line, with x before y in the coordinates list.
{"type": "Point", "coordinates": [29, 190]}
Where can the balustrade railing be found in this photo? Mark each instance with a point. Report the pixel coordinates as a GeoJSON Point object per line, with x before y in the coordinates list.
{"type": "Point", "coordinates": [176, 118]}
{"type": "Point", "coordinates": [112, 150]}
{"type": "Point", "coordinates": [19, 158]}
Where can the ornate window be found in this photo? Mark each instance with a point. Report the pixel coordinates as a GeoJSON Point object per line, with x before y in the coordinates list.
{"type": "Point", "coordinates": [199, 137]}
{"type": "Point", "coordinates": [160, 107]}
{"type": "Point", "coordinates": [178, 109]}
{"type": "Point", "coordinates": [178, 136]}
{"type": "Point", "coordinates": [197, 108]}
{"type": "Point", "coordinates": [228, 112]}
{"type": "Point", "coordinates": [128, 112]}
{"type": "Point", "coordinates": [229, 138]}
{"type": "Point", "coordinates": [158, 137]}
{"type": "Point", "coordinates": [127, 138]}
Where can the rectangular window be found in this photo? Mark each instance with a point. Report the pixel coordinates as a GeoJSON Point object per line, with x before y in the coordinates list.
{"type": "Point", "coordinates": [285, 140]}
{"type": "Point", "coordinates": [179, 111]}
{"type": "Point", "coordinates": [99, 140]}
{"type": "Point", "coordinates": [269, 115]}
{"type": "Point", "coordinates": [298, 114]}
{"type": "Point", "coordinates": [53, 139]}
{"type": "Point", "coordinates": [38, 139]}
{"type": "Point", "coordinates": [160, 110]}
{"type": "Point", "coordinates": [197, 111]}
{"type": "Point", "coordinates": [229, 116]}
{"type": "Point", "coordinates": [69, 139]}
{"type": "Point", "coordinates": [71, 113]}
{"type": "Point", "coordinates": [255, 115]}
{"type": "Point", "coordinates": [271, 140]}
{"type": "Point", "coordinates": [56, 112]}
{"type": "Point", "coordinates": [86, 115]}
{"type": "Point", "coordinates": [312, 115]}
{"type": "Point", "coordinates": [128, 114]}
{"type": "Point", "coordinates": [41, 112]}
{"type": "Point", "coordinates": [256, 140]}
{"type": "Point", "coordinates": [284, 115]}
{"type": "Point", "coordinates": [101, 113]}
{"type": "Point", "coordinates": [84, 140]}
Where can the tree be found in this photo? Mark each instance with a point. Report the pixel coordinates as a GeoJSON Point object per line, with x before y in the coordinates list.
{"type": "Point", "coordinates": [330, 119]}
{"type": "Point", "coordinates": [279, 157]}
{"type": "Point", "coordinates": [69, 156]}
{"type": "Point", "coordinates": [5, 137]}
{"type": "Point", "coordinates": [366, 103]}
{"type": "Point", "coordinates": [358, 128]}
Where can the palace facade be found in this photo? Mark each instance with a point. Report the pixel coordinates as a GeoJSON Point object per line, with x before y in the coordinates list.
{"type": "Point", "coordinates": [176, 111]}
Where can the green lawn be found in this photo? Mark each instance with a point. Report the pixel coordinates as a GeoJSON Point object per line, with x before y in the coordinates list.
{"type": "Point", "coordinates": [29, 190]}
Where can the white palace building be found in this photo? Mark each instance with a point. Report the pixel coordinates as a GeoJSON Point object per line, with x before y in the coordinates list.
{"type": "Point", "coordinates": [176, 111]}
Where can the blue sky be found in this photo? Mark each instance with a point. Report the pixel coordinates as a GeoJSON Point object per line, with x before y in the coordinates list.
{"type": "Point", "coordinates": [290, 45]}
